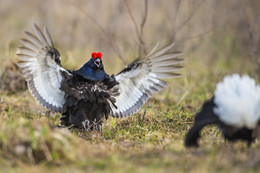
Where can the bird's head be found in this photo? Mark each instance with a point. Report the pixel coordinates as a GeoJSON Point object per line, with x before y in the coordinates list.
{"type": "Point", "coordinates": [96, 61]}
{"type": "Point", "coordinates": [93, 70]}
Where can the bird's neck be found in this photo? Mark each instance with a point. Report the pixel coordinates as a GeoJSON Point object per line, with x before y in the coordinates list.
{"type": "Point", "coordinates": [91, 74]}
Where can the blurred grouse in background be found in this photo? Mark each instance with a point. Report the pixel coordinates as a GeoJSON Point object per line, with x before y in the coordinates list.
{"type": "Point", "coordinates": [85, 96]}
{"type": "Point", "coordinates": [235, 108]}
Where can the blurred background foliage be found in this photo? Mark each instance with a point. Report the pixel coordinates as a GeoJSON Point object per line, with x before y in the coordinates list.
{"type": "Point", "coordinates": [217, 37]}
{"type": "Point", "coordinates": [204, 29]}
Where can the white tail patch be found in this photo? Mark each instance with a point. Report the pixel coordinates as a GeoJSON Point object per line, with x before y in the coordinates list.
{"type": "Point", "coordinates": [238, 101]}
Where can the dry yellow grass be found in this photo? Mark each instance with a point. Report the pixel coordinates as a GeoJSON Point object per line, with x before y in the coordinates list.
{"type": "Point", "coordinates": [214, 37]}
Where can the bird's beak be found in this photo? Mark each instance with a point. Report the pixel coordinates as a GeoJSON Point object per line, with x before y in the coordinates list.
{"type": "Point", "coordinates": [97, 62]}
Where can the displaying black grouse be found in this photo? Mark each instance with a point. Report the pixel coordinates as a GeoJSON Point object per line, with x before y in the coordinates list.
{"type": "Point", "coordinates": [235, 108]}
{"type": "Point", "coordinates": [85, 96]}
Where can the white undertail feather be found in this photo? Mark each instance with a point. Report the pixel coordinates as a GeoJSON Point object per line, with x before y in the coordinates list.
{"type": "Point", "coordinates": [237, 101]}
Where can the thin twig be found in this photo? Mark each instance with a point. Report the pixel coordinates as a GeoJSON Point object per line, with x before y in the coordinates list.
{"type": "Point", "coordinates": [190, 16]}
{"type": "Point", "coordinates": [177, 10]}
{"type": "Point", "coordinates": [113, 44]}
{"type": "Point", "coordinates": [132, 18]}
{"type": "Point", "coordinates": [187, 20]}
{"type": "Point", "coordinates": [142, 25]}
{"type": "Point", "coordinates": [253, 44]}
{"type": "Point", "coordinates": [196, 36]}
{"type": "Point", "coordinates": [138, 32]}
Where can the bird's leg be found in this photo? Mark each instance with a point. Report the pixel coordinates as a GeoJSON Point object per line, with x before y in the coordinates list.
{"type": "Point", "coordinates": [97, 124]}
{"type": "Point", "coordinates": [98, 127]}
{"type": "Point", "coordinates": [84, 125]}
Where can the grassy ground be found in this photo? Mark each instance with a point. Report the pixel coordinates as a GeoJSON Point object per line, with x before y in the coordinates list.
{"type": "Point", "coordinates": [152, 139]}
{"type": "Point", "coordinates": [149, 141]}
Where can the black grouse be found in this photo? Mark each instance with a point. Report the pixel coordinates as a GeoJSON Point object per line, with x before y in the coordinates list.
{"type": "Point", "coordinates": [235, 108]}
{"type": "Point", "coordinates": [85, 96]}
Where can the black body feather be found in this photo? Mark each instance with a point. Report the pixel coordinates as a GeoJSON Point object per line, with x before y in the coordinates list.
{"type": "Point", "coordinates": [207, 117]}
{"type": "Point", "coordinates": [86, 95]}
{"type": "Point", "coordinates": [86, 100]}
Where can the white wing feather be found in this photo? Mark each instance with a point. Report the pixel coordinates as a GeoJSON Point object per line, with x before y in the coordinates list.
{"type": "Point", "coordinates": [142, 78]}
{"type": "Point", "coordinates": [42, 69]}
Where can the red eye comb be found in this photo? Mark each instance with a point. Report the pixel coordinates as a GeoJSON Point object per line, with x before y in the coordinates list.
{"type": "Point", "coordinates": [99, 54]}
{"type": "Point", "coordinates": [96, 55]}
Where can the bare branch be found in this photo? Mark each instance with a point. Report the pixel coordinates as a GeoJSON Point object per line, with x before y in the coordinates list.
{"type": "Point", "coordinates": [177, 10]}
{"type": "Point", "coordinates": [138, 32]}
{"type": "Point", "coordinates": [145, 14]}
{"type": "Point", "coordinates": [187, 20]}
{"type": "Point", "coordinates": [142, 25]}
{"type": "Point", "coordinates": [254, 46]}
{"type": "Point", "coordinates": [196, 36]}
{"type": "Point", "coordinates": [110, 40]}
{"type": "Point", "coordinates": [132, 18]}
{"type": "Point", "coordinates": [190, 16]}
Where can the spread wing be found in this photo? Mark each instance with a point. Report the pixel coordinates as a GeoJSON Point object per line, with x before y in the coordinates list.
{"type": "Point", "coordinates": [143, 77]}
{"type": "Point", "coordinates": [40, 65]}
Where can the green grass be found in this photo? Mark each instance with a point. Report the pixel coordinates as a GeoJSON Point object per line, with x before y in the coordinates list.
{"type": "Point", "coordinates": [149, 141]}
{"type": "Point", "coordinates": [152, 139]}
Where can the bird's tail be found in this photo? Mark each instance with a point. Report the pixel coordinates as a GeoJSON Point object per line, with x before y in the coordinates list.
{"type": "Point", "coordinates": [205, 117]}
